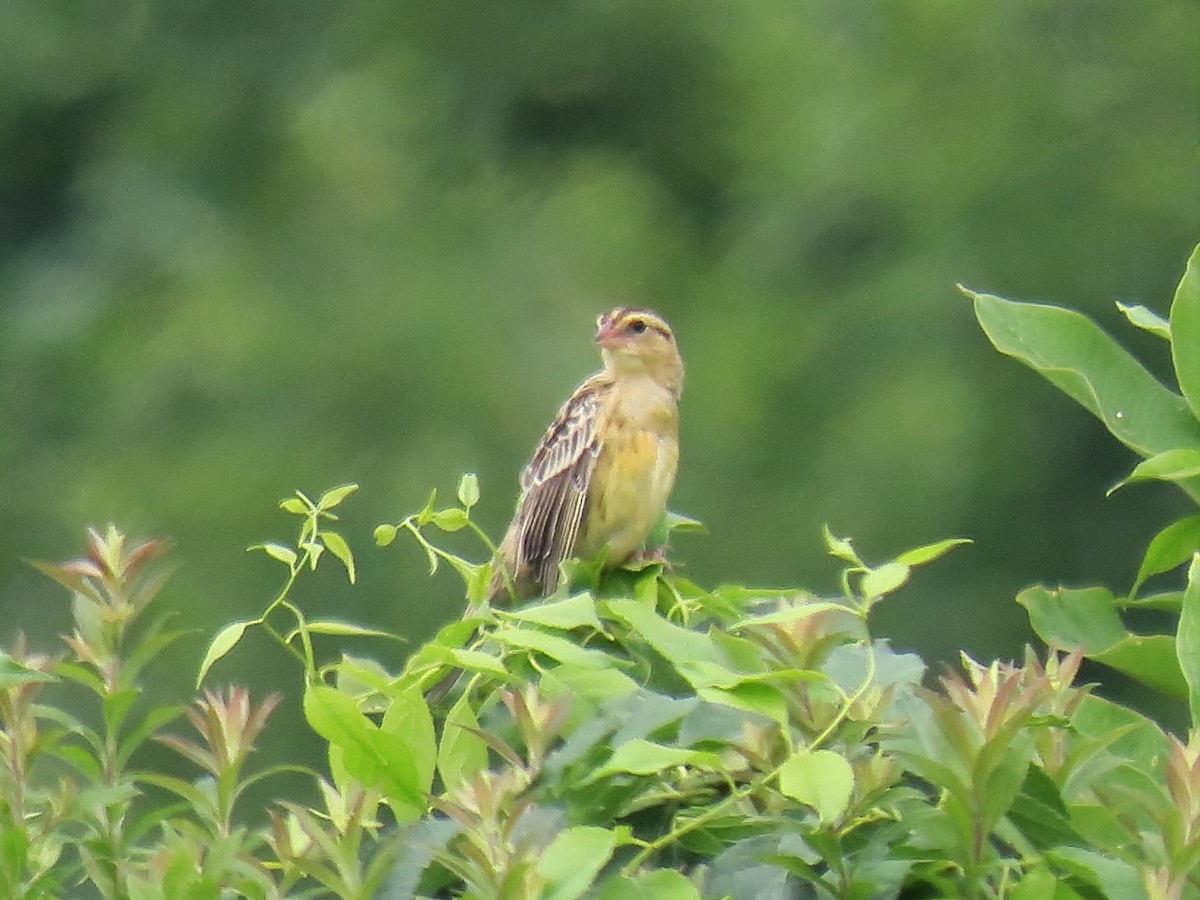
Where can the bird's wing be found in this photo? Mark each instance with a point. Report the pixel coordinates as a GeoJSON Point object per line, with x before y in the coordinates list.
{"type": "Point", "coordinates": [554, 486]}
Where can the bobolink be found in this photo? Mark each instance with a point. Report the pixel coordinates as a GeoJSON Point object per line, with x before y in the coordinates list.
{"type": "Point", "coordinates": [601, 474]}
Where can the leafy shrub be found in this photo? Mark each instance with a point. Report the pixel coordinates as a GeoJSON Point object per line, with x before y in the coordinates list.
{"type": "Point", "coordinates": [638, 735]}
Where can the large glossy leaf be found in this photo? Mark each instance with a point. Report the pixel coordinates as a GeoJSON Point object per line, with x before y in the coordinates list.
{"type": "Point", "coordinates": [1185, 332]}
{"type": "Point", "coordinates": [1088, 618]}
{"type": "Point", "coordinates": [1074, 354]}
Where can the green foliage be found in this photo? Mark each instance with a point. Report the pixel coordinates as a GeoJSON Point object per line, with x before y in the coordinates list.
{"type": "Point", "coordinates": [1162, 424]}
{"type": "Point", "coordinates": [641, 737]}
{"type": "Point", "coordinates": [635, 734]}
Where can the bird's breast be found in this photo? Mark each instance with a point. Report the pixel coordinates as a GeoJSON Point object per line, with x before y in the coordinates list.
{"type": "Point", "coordinates": [634, 474]}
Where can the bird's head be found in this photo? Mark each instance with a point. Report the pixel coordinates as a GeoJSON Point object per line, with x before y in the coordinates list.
{"type": "Point", "coordinates": [636, 341]}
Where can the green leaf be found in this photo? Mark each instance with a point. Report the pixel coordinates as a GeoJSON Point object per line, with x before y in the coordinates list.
{"type": "Point", "coordinates": [574, 857]}
{"type": "Point", "coordinates": [1170, 465]}
{"type": "Point", "coordinates": [409, 720]}
{"type": "Point", "coordinates": [1067, 618]}
{"type": "Point", "coordinates": [884, 579]}
{"type": "Point", "coordinates": [477, 661]}
{"type": "Point", "coordinates": [763, 699]}
{"type": "Point", "coordinates": [1171, 547]}
{"type": "Point", "coordinates": [918, 556]}
{"type": "Point", "coordinates": [1087, 617]}
{"type": "Point", "coordinates": [786, 616]}
{"type": "Point", "coordinates": [1187, 639]}
{"type": "Point", "coordinates": [224, 641]}
{"type": "Point", "coordinates": [641, 757]}
{"type": "Point", "coordinates": [384, 534]}
{"type": "Point", "coordinates": [840, 548]}
{"type": "Point", "coordinates": [14, 850]}
{"type": "Point", "coordinates": [589, 684]}
{"type": "Point", "coordinates": [380, 760]}
{"type": "Point", "coordinates": [1185, 333]}
{"type": "Point", "coordinates": [658, 884]}
{"type": "Point", "coordinates": [821, 779]}
{"type": "Point", "coordinates": [450, 519]}
{"type": "Point", "coordinates": [1074, 354]}
{"type": "Point", "coordinates": [462, 752]}
{"type": "Point", "coordinates": [681, 647]}
{"type": "Point", "coordinates": [468, 490]}
{"type": "Point", "coordinates": [1148, 658]}
{"type": "Point", "coordinates": [337, 545]}
{"type": "Point", "coordinates": [678, 522]}
{"type": "Point", "coordinates": [294, 505]}
{"type": "Point", "coordinates": [572, 612]}
{"type": "Point", "coordinates": [343, 629]}
{"type": "Point", "coordinates": [425, 515]}
{"type": "Point", "coordinates": [284, 554]}
{"type": "Point", "coordinates": [334, 496]}
{"type": "Point", "coordinates": [552, 645]}
{"type": "Point", "coordinates": [1037, 883]}
{"type": "Point", "coordinates": [1146, 319]}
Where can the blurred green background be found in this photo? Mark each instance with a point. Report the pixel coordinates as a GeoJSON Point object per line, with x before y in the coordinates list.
{"type": "Point", "coordinates": [258, 246]}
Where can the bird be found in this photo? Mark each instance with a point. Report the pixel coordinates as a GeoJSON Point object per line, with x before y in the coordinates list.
{"type": "Point", "coordinates": [600, 477]}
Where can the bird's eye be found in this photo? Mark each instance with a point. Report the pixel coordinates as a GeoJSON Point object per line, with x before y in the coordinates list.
{"type": "Point", "coordinates": [637, 326]}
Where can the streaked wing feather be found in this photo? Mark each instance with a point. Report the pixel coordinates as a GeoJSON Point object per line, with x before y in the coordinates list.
{"type": "Point", "coordinates": [555, 484]}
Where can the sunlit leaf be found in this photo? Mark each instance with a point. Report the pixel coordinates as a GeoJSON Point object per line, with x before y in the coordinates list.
{"type": "Point", "coordinates": [468, 490]}
{"type": "Point", "coordinates": [334, 496]}
{"type": "Point", "coordinates": [224, 641]}
{"type": "Point", "coordinates": [337, 545]}
{"type": "Point", "coordinates": [294, 505]}
{"type": "Point", "coordinates": [284, 554]}
{"type": "Point", "coordinates": [918, 556]}
{"type": "Point", "coordinates": [337, 627]}
{"type": "Point", "coordinates": [381, 760]}
{"type": "Point", "coordinates": [384, 534]}
{"type": "Point", "coordinates": [450, 519]}
{"type": "Point", "coordinates": [821, 779]}
{"type": "Point", "coordinates": [425, 514]}
{"type": "Point", "coordinates": [839, 547]}
{"type": "Point", "coordinates": [884, 579]}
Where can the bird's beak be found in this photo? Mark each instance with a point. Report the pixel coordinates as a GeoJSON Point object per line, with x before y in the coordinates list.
{"type": "Point", "coordinates": [607, 334]}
